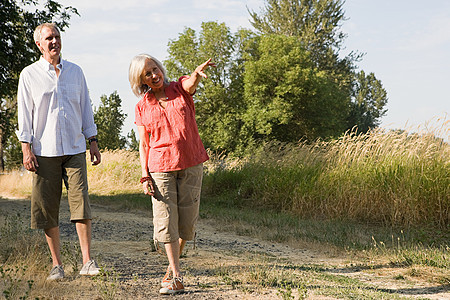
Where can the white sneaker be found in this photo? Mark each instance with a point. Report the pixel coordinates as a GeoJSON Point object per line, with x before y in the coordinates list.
{"type": "Point", "coordinates": [90, 268]}
{"type": "Point", "coordinates": [57, 272]}
{"type": "Point", "coordinates": [175, 287]}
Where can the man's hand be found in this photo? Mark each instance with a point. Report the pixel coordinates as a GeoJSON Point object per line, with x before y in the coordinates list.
{"type": "Point", "coordinates": [95, 153]}
{"type": "Point", "coordinates": [29, 159]}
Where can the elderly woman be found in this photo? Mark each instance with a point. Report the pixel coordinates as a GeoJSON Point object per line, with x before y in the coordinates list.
{"type": "Point", "coordinates": [171, 155]}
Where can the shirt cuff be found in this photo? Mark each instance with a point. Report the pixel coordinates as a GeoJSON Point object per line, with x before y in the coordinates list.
{"type": "Point", "coordinates": [90, 131]}
{"type": "Point", "coordinates": [24, 137]}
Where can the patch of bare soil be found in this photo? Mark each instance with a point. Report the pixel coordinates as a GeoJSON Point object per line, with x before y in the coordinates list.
{"type": "Point", "coordinates": [121, 243]}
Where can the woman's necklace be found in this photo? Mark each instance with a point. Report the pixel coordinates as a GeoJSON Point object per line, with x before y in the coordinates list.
{"type": "Point", "coordinates": [162, 99]}
{"type": "Point", "coordinates": [161, 96]}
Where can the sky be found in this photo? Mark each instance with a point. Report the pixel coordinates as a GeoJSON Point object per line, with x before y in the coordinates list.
{"type": "Point", "coordinates": [406, 44]}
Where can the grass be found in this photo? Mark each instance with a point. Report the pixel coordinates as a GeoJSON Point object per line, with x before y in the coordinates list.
{"type": "Point", "coordinates": [23, 257]}
{"type": "Point", "coordinates": [393, 179]}
{"type": "Point", "coordinates": [16, 184]}
{"type": "Point", "coordinates": [117, 174]}
{"type": "Point", "coordinates": [387, 178]}
{"type": "Point", "coordinates": [13, 285]}
{"type": "Point", "coordinates": [374, 246]}
{"type": "Point", "coordinates": [20, 243]}
{"type": "Point", "coordinates": [107, 282]}
{"type": "Point", "coordinates": [25, 261]}
{"type": "Point", "coordinates": [292, 281]}
{"type": "Point", "coordinates": [381, 196]}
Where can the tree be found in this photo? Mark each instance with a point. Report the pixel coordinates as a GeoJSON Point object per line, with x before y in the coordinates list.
{"type": "Point", "coordinates": [314, 85]}
{"type": "Point", "coordinates": [367, 106]}
{"type": "Point", "coordinates": [285, 82]}
{"type": "Point", "coordinates": [13, 154]}
{"type": "Point", "coordinates": [316, 24]}
{"type": "Point", "coordinates": [288, 97]}
{"type": "Point", "coordinates": [17, 50]}
{"type": "Point", "coordinates": [132, 141]}
{"type": "Point", "coordinates": [10, 148]}
{"type": "Point", "coordinates": [109, 119]}
{"type": "Point", "coordinates": [219, 99]}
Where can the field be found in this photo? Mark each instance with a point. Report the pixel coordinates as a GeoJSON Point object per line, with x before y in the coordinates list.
{"type": "Point", "coordinates": [361, 217]}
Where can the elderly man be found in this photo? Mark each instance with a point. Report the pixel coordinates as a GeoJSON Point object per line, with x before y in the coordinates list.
{"type": "Point", "coordinates": [55, 119]}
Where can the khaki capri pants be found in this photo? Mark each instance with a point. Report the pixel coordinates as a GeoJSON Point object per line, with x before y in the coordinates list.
{"type": "Point", "coordinates": [176, 203]}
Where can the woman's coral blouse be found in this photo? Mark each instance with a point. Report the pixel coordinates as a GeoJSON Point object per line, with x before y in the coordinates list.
{"type": "Point", "coordinates": [174, 140]}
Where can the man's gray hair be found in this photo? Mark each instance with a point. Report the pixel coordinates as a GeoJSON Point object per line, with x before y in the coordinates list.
{"type": "Point", "coordinates": [37, 31]}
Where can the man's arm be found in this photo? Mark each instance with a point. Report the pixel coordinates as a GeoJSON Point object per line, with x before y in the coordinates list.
{"type": "Point", "coordinates": [89, 127]}
{"type": "Point", "coordinates": [25, 120]}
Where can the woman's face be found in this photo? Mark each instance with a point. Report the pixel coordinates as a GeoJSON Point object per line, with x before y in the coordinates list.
{"type": "Point", "coordinates": [152, 75]}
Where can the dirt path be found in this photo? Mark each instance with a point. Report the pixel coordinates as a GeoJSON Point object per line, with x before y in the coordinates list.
{"type": "Point", "coordinates": [121, 243]}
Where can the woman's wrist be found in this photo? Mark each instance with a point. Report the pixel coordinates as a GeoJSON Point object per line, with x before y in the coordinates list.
{"type": "Point", "coordinates": [145, 178]}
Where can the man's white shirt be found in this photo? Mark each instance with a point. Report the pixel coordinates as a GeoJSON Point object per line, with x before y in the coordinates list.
{"type": "Point", "coordinates": [54, 112]}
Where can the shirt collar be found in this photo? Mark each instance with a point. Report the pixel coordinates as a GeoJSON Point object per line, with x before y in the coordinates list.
{"type": "Point", "coordinates": [48, 66]}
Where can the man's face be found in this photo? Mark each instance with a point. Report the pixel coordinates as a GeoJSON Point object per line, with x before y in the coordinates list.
{"type": "Point", "coordinates": [50, 43]}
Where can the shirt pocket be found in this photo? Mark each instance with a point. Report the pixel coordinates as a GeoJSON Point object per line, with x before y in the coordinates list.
{"type": "Point", "coordinates": [71, 93]}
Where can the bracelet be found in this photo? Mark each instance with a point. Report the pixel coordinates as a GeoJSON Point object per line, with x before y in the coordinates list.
{"type": "Point", "coordinates": [93, 140]}
{"type": "Point", "coordinates": [144, 179]}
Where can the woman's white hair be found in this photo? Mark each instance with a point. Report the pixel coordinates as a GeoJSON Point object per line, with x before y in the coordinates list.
{"type": "Point", "coordinates": [135, 73]}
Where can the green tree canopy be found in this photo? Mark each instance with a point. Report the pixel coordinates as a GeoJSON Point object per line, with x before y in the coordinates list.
{"type": "Point", "coordinates": [288, 97]}
{"type": "Point", "coordinates": [109, 119]}
{"type": "Point", "coordinates": [17, 49]}
{"type": "Point", "coordinates": [286, 82]}
{"type": "Point", "coordinates": [132, 142]}
{"type": "Point", "coordinates": [316, 22]}
{"type": "Point", "coordinates": [368, 104]}
{"type": "Point", "coordinates": [317, 25]}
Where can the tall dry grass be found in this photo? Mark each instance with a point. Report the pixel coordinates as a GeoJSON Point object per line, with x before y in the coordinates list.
{"type": "Point", "coordinates": [389, 177]}
{"type": "Point", "coordinates": [118, 173]}
{"type": "Point", "coordinates": [16, 184]}
{"type": "Point", "coordinates": [395, 178]}
{"type": "Point", "coordinates": [23, 257]}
